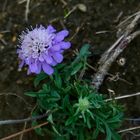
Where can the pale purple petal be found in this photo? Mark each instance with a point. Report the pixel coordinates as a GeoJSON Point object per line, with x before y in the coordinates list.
{"type": "Point", "coordinates": [47, 68]}
{"type": "Point", "coordinates": [61, 35]}
{"type": "Point", "coordinates": [58, 57]}
{"type": "Point", "coordinates": [38, 68]}
{"type": "Point", "coordinates": [56, 47]}
{"type": "Point", "coordinates": [51, 29]}
{"type": "Point", "coordinates": [54, 63]}
{"type": "Point", "coordinates": [33, 67]}
{"type": "Point", "coordinates": [41, 58]}
{"type": "Point", "coordinates": [65, 45]}
{"type": "Point", "coordinates": [48, 58]}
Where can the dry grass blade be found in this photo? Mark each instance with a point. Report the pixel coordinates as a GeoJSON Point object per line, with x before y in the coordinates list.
{"type": "Point", "coordinates": [24, 131]}
{"type": "Point", "coordinates": [129, 129]}
{"type": "Point", "coordinates": [123, 97]}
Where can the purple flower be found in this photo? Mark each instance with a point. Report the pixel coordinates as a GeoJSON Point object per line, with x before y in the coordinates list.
{"type": "Point", "coordinates": [41, 49]}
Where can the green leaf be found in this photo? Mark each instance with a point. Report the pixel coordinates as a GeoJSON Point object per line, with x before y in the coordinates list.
{"type": "Point", "coordinates": [55, 130]}
{"type": "Point", "coordinates": [39, 131]}
{"type": "Point", "coordinates": [115, 135]}
{"type": "Point", "coordinates": [58, 81]}
{"type": "Point", "coordinates": [95, 134]}
{"type": "Point", "coordinates": [55, 94]}
{"type": "Point", "coordinates": [65, 102]}
{"type": "Point", "coordinates": [81, 134]}
{"type": "Point", "coordinates": [40, 93]}
{"type": "Point", "coordinates": [84, 117]}
{"type": "Point", "coordinates": [67, 89]}
{"type": "Point", "coordinates": [116, 118]}
{"type": "Point", "coordinates": [46, 88]}
{"type": "Point", "coordinates": [50, 118]}
{"type": "Point", "coordinates": [76, 68]}
{"type": "Point", "coordinates": [88, 122]}
{"type": "Point", "coordinates": [31, 94]}
{"type": "Point", "coordinates": [84, 51]}
{"type": "Point", "coordinates": [70, 120]}
{"type": "Point", "coordinates": [108, 132]}
{"type": "Point", "coordinates": [39, 78]}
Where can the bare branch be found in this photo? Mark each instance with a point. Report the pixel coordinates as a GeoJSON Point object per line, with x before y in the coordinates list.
{"type": "Point", "coordinates": [3, 122]}
{"type": "Point", "coordinates": [114, 51]}
{"type": "Point", "coordinates": [24, 131]}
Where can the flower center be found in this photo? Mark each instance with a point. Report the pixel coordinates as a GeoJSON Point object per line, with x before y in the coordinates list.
{"type": "Point", "coordinates": [84, 104]}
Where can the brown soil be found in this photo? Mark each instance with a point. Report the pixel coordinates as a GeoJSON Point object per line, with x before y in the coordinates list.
{"type": "Point", "coordinates": [99, 16]}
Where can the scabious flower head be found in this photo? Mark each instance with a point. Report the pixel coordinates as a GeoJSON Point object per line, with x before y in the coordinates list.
{"type": "Point", "coordinates": [41, 49]}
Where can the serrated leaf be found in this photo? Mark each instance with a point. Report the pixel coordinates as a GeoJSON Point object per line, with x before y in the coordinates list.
{"type": "Point", "coordinates": [84, 51]}
{"type": "Point", "coordinates": [67, 89]}
{"type": "Point", "coordinates": [65, 102]}
{"type": "Point", "coordinates": [50, 118]}
{"type": "Point", "coordinates": [39, 78]}
{"type": "Point", "coordinates": [76, 68]}
{"type": "Point", "coordinates": [46, 88]}
{"type": "Point", "coordinates": [55, 94]}
{"type": "Point", "coordinates": [114, 119]}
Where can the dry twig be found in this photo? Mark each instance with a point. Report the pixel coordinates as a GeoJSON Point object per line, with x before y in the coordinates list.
{"type": "Point", "coordinates": [123, 97]}
{"type": "Point", "coordinates": [24, 131]}
{"type": "Point", "coordinates": [114, 51]}
{"type": "Point", "coordinates": [129, 129]}
{"type": "Point", "coordinates": [27, 8]}
{"type": "Point", "coordinates": [21, 135]}
{"type": "Point", "coordinates": [3, 122]}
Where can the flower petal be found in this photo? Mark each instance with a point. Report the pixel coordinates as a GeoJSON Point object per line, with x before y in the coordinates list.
{"type": "Point", "coordinates": [65, 45]}
{"type": "Point", "coordinates": [56, 47]}
{"type": "Point", "coordinates": [33, 67]}
{"type": "Point", "coordinates": [51, 29]}
{"type": "Point", "coordinates": [58, 57]}
{"type": "Point", "coordinates": [48, 58]}
{"type": "Point", "coordinates": [61, 35]}
{"type": "Point", "coordinates": [54, 63]}
{"type": "Point", "coordinates": [38, 67]}
{"type": "Point", "coordinates": [47, 68]}
{"type": "Point", "coordinates": [41, 58]}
